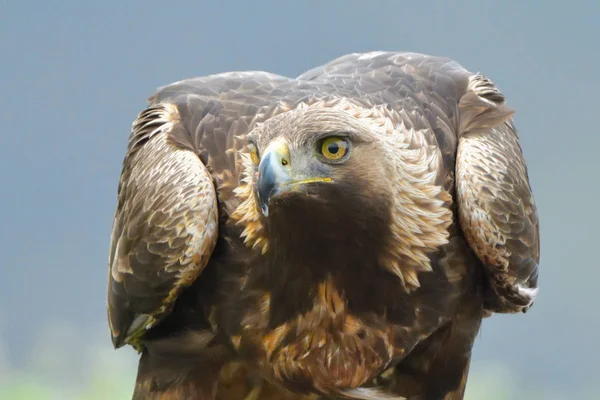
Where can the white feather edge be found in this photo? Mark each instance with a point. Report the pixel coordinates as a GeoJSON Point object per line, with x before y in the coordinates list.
{"type": "Point", "coordinates": [373, 393]}
{"type": "Point", "coordinates": [530, 293]}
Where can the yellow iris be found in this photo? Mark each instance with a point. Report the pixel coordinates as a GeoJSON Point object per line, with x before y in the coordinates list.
{"type": "Point", "coordinates": [334, 147]}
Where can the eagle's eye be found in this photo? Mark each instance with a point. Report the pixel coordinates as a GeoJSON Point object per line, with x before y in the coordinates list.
{"type": "Point", "coordinates": [253, 153]}
{"type": "Point", "coordinates": [334, 147]}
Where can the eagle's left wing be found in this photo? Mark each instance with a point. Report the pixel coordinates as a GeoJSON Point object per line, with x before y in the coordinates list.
{"type": "Point", "coordinates": [496, 206]}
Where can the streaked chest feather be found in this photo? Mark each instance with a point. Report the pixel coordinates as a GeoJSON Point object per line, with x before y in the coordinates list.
{"type": "Point", "coordinates": [326, 346]}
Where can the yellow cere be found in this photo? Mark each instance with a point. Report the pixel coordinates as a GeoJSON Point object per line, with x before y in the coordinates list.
{"type": "Point", "coordinates": [296, 185]}
{"type": "Point", "coordinates": [314, 180]}
{"type": "Point", "coordinates": [253, 153]}
{"type": "Point", "coordinates": [334, 148]}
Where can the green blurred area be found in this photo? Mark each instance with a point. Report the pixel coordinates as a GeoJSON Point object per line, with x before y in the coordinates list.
{"type": "Point", "coordinates": [97, 372]}
{"type": "Point", "coordinates": [483, 384]}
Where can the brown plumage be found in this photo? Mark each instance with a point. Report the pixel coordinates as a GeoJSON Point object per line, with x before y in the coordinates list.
{"type": "Point", "coordinates": [337, 235]}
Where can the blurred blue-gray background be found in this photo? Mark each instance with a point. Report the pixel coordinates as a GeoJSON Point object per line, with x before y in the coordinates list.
{"type": "Point", "coordinates": [74, 74]}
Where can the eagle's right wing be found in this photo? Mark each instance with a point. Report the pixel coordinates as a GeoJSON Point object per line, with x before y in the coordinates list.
{"type": "Point", "coordinates": [165, 225]}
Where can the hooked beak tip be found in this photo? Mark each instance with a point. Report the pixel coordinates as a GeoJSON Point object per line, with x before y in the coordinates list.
{"type": "Point", "coordinates": [272, 173]}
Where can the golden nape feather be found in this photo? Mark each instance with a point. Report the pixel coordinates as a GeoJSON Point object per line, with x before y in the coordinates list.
{"type": "Point", "coordinates": [339, 235]}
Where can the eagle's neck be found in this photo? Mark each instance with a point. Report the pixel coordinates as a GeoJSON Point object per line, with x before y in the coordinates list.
{"type": "Point", "coordinates": [313, 303]}
{"type": "Point", "coordinates": [309, 247]}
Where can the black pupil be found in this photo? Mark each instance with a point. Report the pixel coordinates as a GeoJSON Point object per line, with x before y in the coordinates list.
{"type": "Point", "coordinates": [333, 148]}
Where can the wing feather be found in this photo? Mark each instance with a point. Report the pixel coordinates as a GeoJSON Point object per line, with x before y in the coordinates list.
{"type": "Point", "coordinates": [496, 206]}
{"type": "Point", "coordinates": [165, 225]}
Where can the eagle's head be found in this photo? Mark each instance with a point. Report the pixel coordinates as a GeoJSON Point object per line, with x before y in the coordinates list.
{"type": "Point", "coordinates": [322, 172]}
{"type": "Point", "coordinates": [321, 179]}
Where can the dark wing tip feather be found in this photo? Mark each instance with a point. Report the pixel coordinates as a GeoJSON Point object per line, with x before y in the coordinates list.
{"type": "Point", "coordinates": [483, 87]}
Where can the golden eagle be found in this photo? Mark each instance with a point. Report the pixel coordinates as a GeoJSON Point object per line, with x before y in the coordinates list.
{"type": "Point", "coordinates": [337, 235]}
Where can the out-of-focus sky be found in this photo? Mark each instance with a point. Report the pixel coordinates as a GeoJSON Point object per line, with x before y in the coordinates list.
{"type": "Point", "coordinates": [74, 74]}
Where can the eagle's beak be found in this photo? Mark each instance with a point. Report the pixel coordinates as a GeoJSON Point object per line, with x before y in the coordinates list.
{"type": "Point", "coordinates": [273, 173]}
{"type": "Point", "coordinates": [276, 176]}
